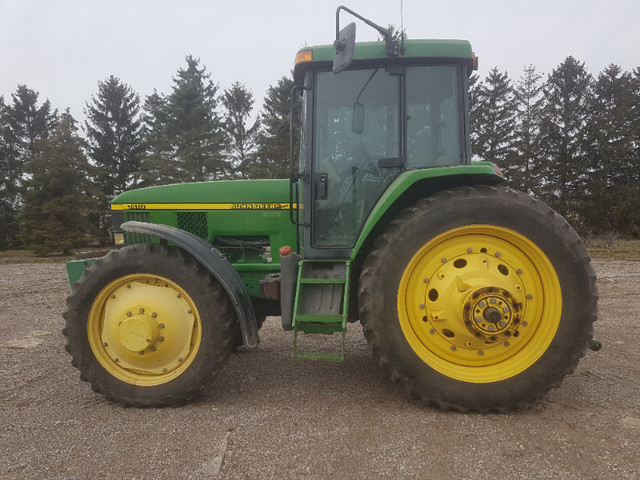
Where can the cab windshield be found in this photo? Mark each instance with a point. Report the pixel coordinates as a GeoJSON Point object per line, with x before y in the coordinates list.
{"type": "Point", "coordinates": [358, 146]}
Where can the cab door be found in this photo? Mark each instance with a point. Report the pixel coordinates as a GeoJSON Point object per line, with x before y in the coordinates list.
{"type": "Point", "coordinates": [356, 154]}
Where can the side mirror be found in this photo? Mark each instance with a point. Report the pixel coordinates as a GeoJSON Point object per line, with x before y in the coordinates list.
{"type": "Point", "coordinates": [357, 122]}
{"type": "Point", "coordinates": [344, 45]}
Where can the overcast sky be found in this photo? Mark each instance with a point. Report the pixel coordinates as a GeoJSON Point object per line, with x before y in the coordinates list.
{"type": "Point", "coordinates": [62, 48]}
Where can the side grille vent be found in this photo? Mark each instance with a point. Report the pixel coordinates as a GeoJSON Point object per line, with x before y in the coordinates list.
{"type": "Point", "coordinates": [132, 238]}
{"type": "Point", "coordinates": [195, 223]}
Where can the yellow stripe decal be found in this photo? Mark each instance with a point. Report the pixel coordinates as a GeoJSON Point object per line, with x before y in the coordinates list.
{"type": "Point", "coordinates": [201, 206]}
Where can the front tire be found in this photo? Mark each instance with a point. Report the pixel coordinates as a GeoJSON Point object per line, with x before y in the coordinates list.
{"type": "Point", "coordinates": [478, 299]}
{"type": "Point", "coordinates": [148, 326]}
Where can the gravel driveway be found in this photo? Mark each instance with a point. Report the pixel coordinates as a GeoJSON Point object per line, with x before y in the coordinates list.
{"type": "Point", "coordinates": [270, 417]}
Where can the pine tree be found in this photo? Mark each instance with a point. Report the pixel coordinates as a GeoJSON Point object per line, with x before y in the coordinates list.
{"type": "Point", "coordinates": [563, 171]}
{"type": "Point", "coordinates": [114, 133]}
{"type": "Point", "coordinates": [185, 140]}
{"type": "Point", "coordinates": [241, 138]}
{"type": "Point", "coordinates": [158, 165]}
{"type": "Point", "coordinates": [8, 226]}
{"type": "Point", "coordinates": [22, 124]}
{"type": "Point", "coordinates": [494, 117]}
{"type": "Point", "coordinates": [273, 140]}
{"type": "Point", "coordinates": [60, 209]}
{"type": "Point", "coordinates": [528, 94]}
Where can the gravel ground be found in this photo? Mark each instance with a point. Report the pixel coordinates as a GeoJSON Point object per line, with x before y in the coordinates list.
{"type": "Point", "coordinates": [270, 417]}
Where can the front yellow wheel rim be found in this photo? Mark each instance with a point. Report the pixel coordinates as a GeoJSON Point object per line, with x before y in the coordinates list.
{"type": "Point", "coordinates": [479, 303]}
{"type": "Point", "coordinates": [144, 329]}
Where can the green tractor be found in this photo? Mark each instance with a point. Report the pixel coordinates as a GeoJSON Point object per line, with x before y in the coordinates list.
{"type": "Point", "coordinates": [471, 295]}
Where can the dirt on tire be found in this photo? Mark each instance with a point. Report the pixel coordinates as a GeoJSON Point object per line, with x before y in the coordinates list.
{"type": "Point", "coordinates": [268, 416]}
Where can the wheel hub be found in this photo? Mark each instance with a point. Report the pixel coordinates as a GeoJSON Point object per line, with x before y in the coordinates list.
{"type": "Point", "coordinates": [138, 332]}
{"type": "Point", "coordinates": [491, 314]}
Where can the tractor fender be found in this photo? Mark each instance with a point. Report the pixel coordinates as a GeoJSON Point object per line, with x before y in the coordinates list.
{"type": "Point", "coordinates": [214, 261]}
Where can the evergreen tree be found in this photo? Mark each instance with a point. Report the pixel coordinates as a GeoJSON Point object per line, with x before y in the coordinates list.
{"type": "Point", "coordinates": [185, 140]}
{"type": "Point", "coordinates": [563, 172]}
{"type": "Point", "coordinates": [114, 133]}
{"type": "Point", "coordinates": [524, 173]}
{"type": "Point", "coordinates": [241, 138]}
{"type": "Point", "coordinates": [273, 140]}
{"type": "Point", "coordinates": [22, 125]}
{"type": "Point", "coordinates": [8, 226]}
{"type": "Point", "coordinates": [157, 166]}
{"type": "Point", "coordinates": [494, 117]}
{"type": "Point", "coordinates": [60, 209]}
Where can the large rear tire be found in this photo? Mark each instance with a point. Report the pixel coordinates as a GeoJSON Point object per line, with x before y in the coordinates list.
{"type": "Point", "coordinates": [478, 299]}
{"type": "Point", "coordinates": [148, 326]}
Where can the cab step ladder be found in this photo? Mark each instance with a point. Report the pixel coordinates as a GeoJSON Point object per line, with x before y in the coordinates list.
{"type": "Point", "coordinates": [322, 303]}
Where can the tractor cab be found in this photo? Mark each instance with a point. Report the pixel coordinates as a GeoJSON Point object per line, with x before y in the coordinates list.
{"type": "Point", "coordinates": [388, 110]}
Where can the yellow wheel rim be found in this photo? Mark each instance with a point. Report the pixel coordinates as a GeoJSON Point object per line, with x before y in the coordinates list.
{"type": "Point", "coordinates": [144, 329]}
{"type": "Point", "coordinates": [479, 303]}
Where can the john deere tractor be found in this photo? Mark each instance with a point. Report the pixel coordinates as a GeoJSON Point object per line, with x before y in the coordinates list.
{"type": "Point", "coordinates": [472, 296]}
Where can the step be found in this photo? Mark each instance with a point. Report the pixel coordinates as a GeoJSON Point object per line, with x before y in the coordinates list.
{"type": "Point", "coordinates": [321, 304]}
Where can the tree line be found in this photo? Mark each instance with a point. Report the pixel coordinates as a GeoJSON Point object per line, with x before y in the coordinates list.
{"type": "Point", "coordinates": [58, 176]}
{"type": "Point", "coordinates": [569, 139]}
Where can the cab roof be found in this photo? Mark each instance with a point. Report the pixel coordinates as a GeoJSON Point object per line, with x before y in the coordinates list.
{"type": "Point", "coordinates": [414, 51]}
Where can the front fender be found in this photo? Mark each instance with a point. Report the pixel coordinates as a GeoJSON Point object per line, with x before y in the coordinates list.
{"type": "Point", "coordinates": [217, 264]}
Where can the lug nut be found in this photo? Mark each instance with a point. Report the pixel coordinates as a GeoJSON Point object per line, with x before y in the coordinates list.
{"type": "Point", "coordinates": [141, 310]}
{"type": "Point", "coordinates": [129, 314]}
{"type": "Point", "coordinates": [161, 325]}
{"type": "Point", "coordinates": [161, 339]}
{"type": "Point", "coordinates": [154, 315]}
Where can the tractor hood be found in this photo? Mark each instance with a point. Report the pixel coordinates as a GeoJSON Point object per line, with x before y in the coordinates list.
{"type": "Point", "coordinates": [222, 194]}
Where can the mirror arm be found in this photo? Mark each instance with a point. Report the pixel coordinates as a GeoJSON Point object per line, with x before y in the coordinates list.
{"type": "Point", "coordinates": [392, 46]}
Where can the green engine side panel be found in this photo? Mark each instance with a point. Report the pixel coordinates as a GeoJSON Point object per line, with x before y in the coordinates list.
{"type": "Point", "coordinates": [248, 220]}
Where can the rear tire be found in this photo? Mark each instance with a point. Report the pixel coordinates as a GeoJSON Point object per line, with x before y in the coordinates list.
{"type": "Point", "coordinates": [478, 299]}
{"type": "Point", "coordinates": [148, 326]}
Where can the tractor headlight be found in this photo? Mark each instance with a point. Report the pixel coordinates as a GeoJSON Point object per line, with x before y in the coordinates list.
{"type": "Point", "coordinates": [118, 239]}
{"type": "Point", "coordinates": [117, 219]}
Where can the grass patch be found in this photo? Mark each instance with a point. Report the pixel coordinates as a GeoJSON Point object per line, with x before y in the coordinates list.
{"type": "Point", "coordinates": [27, 256]}
{"type": "Point", "coordinates": [617, 249]}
